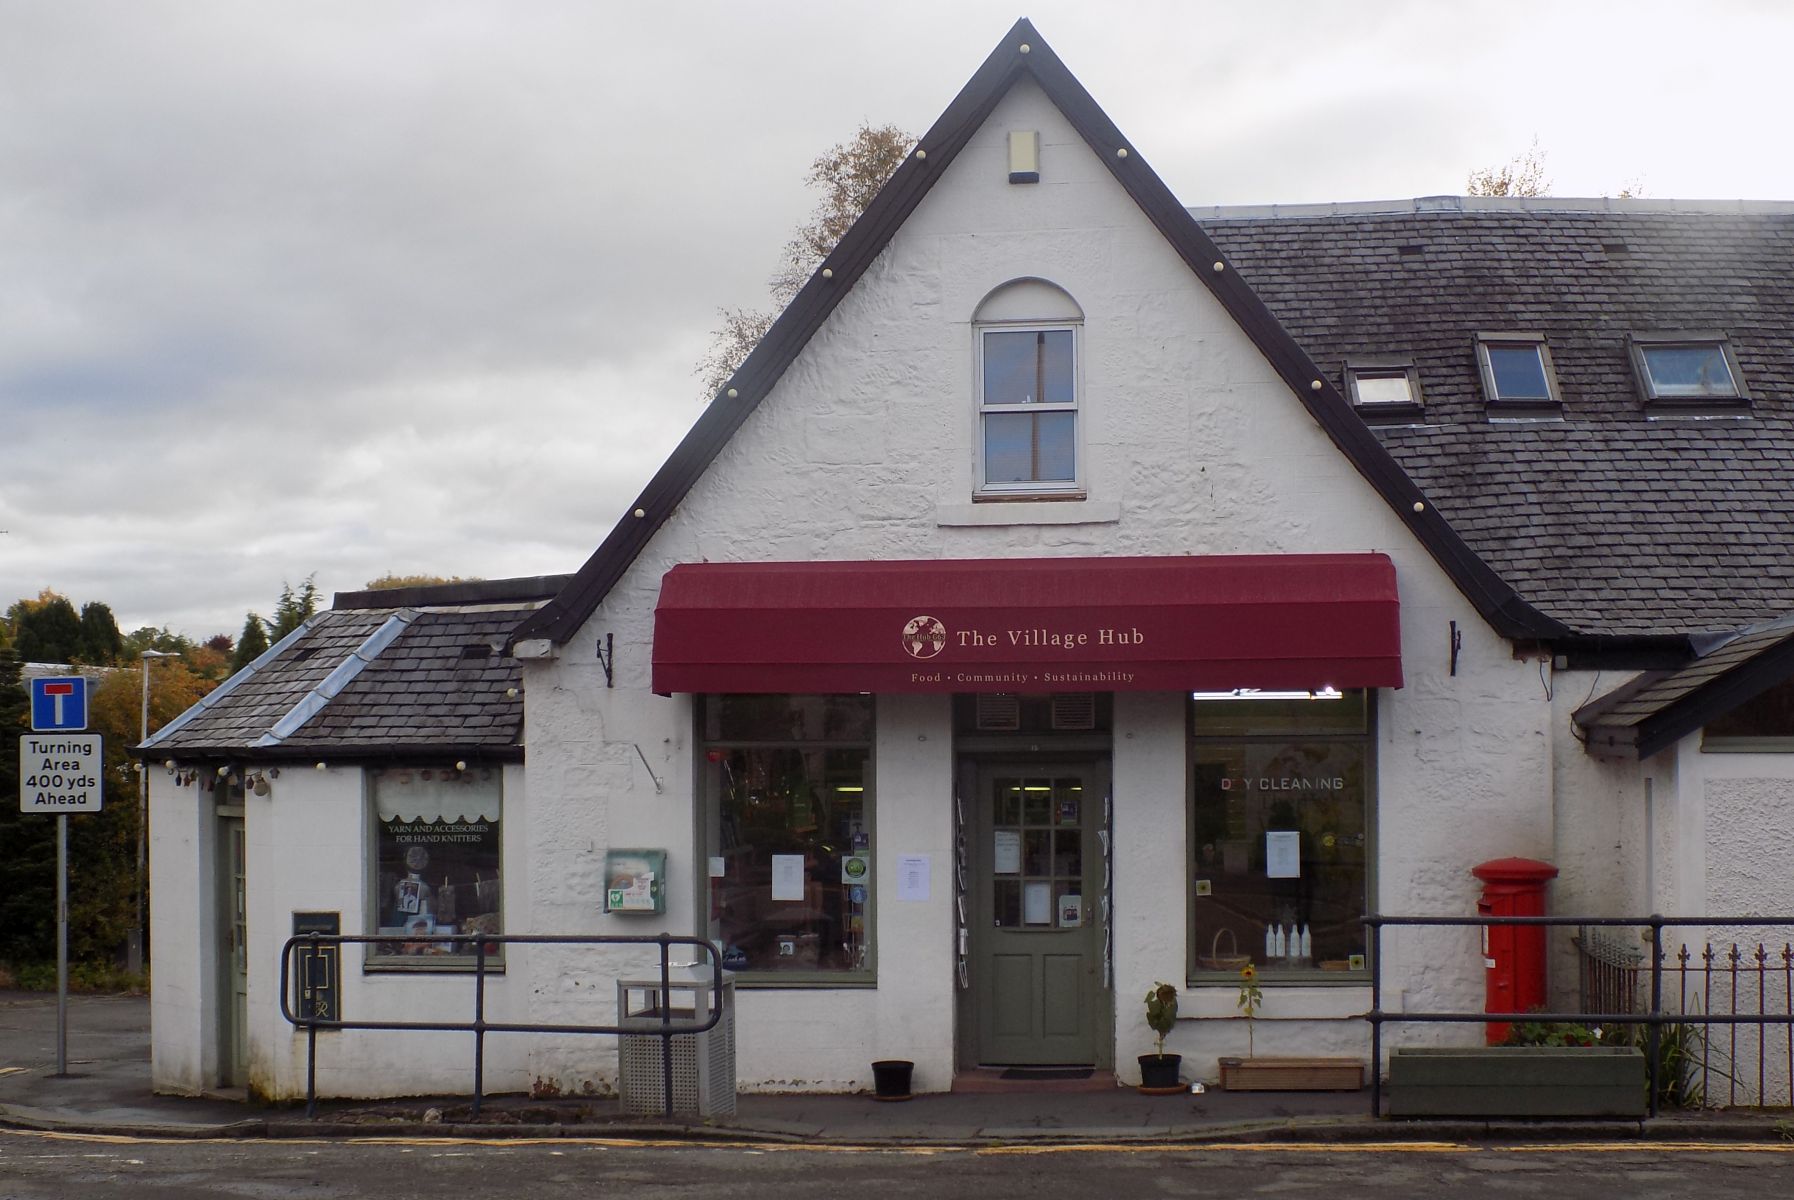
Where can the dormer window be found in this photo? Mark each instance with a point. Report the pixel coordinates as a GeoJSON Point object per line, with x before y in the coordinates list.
{"type": "Point", "coordinates": [1517, 372]}
{"type": "Point", "coordinates": [1383, 389]}
{"type": "Point", "coordinates": [1686, 369]}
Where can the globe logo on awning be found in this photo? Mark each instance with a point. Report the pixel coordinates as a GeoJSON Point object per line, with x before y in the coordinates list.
{"type": "Point", "coordinates": [924, 637]}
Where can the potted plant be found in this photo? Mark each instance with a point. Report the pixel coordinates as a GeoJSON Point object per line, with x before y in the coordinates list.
{"type": "Point", "coordinates": [1158, 1071]}
{"type": "Point", "coordinates": [1255, 1074]}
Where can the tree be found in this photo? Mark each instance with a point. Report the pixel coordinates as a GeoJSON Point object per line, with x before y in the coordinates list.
{"type": "Point", "coordinates": [27, 840]}
{"type": "Point", "coordinates": [47, 631]}
{"type": "Point", "coordinates": [1522, 175]}
{"type": "Point", "coordinates": [252, 643]}
{"type": "Point", "coordinates": [389, 581]}
{"type": "Point", "coordinates": [294, 608]}
{"type": "Point", "coordinates": [100, 643]}
{"type": "Point", "coordinates": [849, 174]}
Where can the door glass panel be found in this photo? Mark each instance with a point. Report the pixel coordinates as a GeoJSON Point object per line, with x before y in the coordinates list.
{"type": "Point", "coordinates": [1043, 817]}
{"type": "Point", "coordinates": [1068, 853]}
{"type": "Point", "coordinates": [1008, 906]}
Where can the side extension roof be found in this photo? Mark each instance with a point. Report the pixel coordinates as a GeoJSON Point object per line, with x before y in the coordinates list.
{"type": "Point", "coordinates": [1022, 54]}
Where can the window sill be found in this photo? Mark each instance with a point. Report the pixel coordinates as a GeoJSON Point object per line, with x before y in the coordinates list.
{"type": "Point", "coordinates": [1030, 510]}
{"type": "Point", "coordinates": [1747, 745]}
{"type": "Point", "coordinates": [1307, 1000]}
{"type": "Point", "coordinates": [1391, 414]}
{"type": "Point", "coordinates": [813, 982]}
{"type": "Point", "coordinates": [459, 966]}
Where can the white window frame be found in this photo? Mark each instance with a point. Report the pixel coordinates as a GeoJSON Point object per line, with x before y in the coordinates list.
{"type": "Point", "coordinates": [1055, 488]}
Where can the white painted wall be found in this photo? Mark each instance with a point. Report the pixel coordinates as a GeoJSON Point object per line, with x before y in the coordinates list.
{"type": "Point", "coordinates": [865, 450]}
{"type": "Point", "coordinates": [1193, 446]}
{"type": "Point", "coordinates": [183, 938]}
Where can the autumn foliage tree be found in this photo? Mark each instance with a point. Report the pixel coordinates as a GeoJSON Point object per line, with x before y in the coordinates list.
{"type": "Point", "coordinates": [848, 175]}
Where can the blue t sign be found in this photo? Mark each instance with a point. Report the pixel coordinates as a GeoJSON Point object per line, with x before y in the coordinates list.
{"type": "Point", "coordinates": [59, 705]}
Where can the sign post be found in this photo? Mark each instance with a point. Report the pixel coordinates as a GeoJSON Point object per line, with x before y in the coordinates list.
{"type": "Point", "coordinates": [60, 771]}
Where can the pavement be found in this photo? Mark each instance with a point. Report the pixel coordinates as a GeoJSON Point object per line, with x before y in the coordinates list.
{"type": "Point", "coordinates": [107, 1092]}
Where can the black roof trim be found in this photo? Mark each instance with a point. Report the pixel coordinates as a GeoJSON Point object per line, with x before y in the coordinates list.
{"type": "Point", "coordinates": [474, 755]}
{"type": "Point", "coordinates": [524, 588]}
{"type": "Point", "coordinates": [1613, 735]}
{"type": "Point", "coordinates": [558, 620]}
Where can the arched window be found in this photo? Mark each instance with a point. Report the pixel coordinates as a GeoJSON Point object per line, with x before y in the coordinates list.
{"type": "Point", "coordinates": [1028, 390]}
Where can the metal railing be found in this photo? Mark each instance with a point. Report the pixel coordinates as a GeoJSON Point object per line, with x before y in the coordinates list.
{"type": "Point", "coordinates": [1654, 1016]}
{"type": "Point", "coordinates": [1730, 977]}
{"type": "Point", "coordinates": [479, 1026]}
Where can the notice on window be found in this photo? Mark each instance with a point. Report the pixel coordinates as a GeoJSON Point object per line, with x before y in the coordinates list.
{"type": "Point", "coordinates": [1037, 904]}
{"type": "Point", "coordinates": [1283, 855]}
{"type": "Point", "coordinates": [913, 876]}
{"type": "Point", "coordinates": [1006, 852]}
{"type": "Point", "coordinates": [718, 867]}
{"type": "Point", "coordinates": [787, 877]}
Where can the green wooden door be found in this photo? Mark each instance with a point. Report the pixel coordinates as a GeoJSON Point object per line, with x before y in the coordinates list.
{"type": "Point", "coordinates": [1037, 914]}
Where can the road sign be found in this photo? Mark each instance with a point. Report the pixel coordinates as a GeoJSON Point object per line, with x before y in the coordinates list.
{"type": "Point", "coordinates": [59, 773]}
{"type": "Point", "coordinates": [59, 704]}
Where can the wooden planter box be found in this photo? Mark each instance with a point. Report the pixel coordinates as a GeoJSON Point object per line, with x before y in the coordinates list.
{"type": "Point", "coordinates": [1517, 1081]}
{"type": "Point", "coordinates": [1291, 1074]}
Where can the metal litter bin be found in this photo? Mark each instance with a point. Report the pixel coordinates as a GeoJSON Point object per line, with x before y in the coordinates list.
{"type": "Point", "coordinates": [703, 1063]}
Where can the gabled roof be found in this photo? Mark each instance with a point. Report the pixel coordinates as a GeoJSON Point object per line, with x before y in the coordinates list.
{"type": "Point", "coordinates": [1659, 708]}
{"type": "Point", "coordinates": [370, 683]}
{"type": "Point", "coordinates": [1611, 518]}
{"type": "Point", "coordinates": [1023, 55]}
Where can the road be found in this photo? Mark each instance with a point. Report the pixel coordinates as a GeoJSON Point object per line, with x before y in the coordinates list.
{"type": "Point", "coordinates": [41, 1167]}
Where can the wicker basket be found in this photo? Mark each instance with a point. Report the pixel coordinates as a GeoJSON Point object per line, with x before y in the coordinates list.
{"type": "Point", "coordinates": [1233, 960]}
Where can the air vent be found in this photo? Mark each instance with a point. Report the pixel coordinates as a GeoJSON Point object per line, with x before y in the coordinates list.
{"type": "Point", "coordinates": [477, 650]}
{"type": "Point", "coordinates": [1074, 710]}
{"type": "Point", "coordinates": [1412, 248]}
{"type": "Point", "coordinates": [998, 713]}
{"type": "Point", "coordinates": [301, 654]}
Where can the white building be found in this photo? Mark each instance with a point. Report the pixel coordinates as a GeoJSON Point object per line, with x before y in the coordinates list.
{"type": "Point", "coordinates": [908, 657]}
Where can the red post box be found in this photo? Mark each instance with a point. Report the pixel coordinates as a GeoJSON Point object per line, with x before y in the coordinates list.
{"type": "Point", "coordinates": [1513, 955]}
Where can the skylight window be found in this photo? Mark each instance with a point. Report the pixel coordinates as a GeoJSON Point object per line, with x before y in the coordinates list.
{"type": "Point", "coordinates": [1686, 368]}
{"type": "Point", "coordinates": [1383, 388]}
{"type": "Point", "coordinates": [1516, 369]}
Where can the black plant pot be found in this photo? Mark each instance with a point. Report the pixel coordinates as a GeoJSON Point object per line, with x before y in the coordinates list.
{"type": "Point", "coordinates": [890, 1079]}
{"type": "Point", "coordinates": [1158, 1072]}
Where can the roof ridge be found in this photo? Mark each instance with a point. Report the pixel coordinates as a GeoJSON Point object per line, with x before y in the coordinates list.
{"type": "Point", "coordinates": [315, 700]}
{"type": "Point", "coordinates": [212, 698]}
{"type": "Point", "coordinates": [1470, 205]}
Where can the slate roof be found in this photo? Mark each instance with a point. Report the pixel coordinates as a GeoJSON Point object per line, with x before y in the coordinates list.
{"type": "Point", "coordinates": [1613, 520]}
{"type": "Point", "coordinates": [369, 682]}
{"type": "Point", "coordinates": [1657, 708]}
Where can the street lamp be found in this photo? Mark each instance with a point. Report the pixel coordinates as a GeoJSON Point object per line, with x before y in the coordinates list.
{"type": "Point", "coordinates": [134, 943]}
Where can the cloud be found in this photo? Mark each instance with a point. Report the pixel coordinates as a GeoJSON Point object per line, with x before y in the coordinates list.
{"type": "Point", "coordinates": [355, 288]}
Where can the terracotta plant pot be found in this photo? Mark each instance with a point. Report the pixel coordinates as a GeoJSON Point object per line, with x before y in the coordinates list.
{"type": "Point", "coordinates": [1158, 1073]}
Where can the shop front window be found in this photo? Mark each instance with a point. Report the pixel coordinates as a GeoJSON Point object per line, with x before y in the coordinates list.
{"type": "Point", "coordinates": [1282, 815]}
{"type": "Point", "coordinates": [436, 849]}
{"type": "Point", "coordinates": [789, 801]}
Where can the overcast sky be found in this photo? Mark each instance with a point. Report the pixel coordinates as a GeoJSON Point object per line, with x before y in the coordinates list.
{"type": "Point", "coordinates": [360, 287]}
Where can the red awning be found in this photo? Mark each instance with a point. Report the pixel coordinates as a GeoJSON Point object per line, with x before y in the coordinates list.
{"type": "Point", "coordinates": [1291, 621]}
